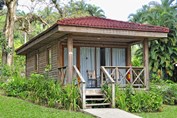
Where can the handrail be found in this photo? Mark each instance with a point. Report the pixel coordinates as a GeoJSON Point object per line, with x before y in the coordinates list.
{"type": "Point", "coordinates": [62, 74]}
{"type": "Point", "coordinates": [82, 86]}
{"type": "Point", "coordinates": [112, 82]}
{"type": "Point", "coordinates": [79, 74]}
{"type": "Point", "coordinates": [107, 74]}
{"type": "Point", "coordinates": [123, 67]}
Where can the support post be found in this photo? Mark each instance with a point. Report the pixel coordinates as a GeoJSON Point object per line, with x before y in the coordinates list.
{"type": "Point", "coordinates": [70, 59]}
{"type": "Point", "coordinates": [146, 61]}
{"type": "Point", "coordinates": [128, 55]}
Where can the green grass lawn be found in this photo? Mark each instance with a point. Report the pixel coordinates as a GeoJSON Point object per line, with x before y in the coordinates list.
{"type": "Point", "coordinates": [168, 112]}
{"type": "Point", "coordinates": [15, 108]}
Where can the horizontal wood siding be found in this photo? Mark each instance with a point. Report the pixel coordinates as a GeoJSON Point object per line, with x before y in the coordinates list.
{"type": "Point", "coordinates": [54, 70]}
{"type": "Point", "coordinates": [43, 60]}
{"type": "Point", "coordinates": [30, 60]}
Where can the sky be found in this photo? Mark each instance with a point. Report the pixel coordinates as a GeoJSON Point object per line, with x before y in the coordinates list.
{"type": "Point", "coordinates": [114, 9]}
{"type": "Point", "coordinates": [120, 9]}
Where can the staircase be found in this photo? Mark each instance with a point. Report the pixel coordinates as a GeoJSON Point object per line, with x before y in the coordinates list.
{"type": "Point", "coordinates": [96, 99]}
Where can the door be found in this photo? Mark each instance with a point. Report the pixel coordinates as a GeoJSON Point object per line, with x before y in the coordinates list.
{"type": "Point", "coordinates": [118, 59]}
{"type": "Point", "coordinates": [91, 59]}
{"type": "Point", "coordinates": [87, 64]}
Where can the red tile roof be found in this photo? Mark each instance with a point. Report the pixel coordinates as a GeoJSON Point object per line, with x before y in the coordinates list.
{"type": "Point", "coordinates": [96, 22]}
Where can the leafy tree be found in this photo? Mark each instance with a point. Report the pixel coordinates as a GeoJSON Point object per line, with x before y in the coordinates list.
{"type": "Point", "coordinates": [95, 10]}
{"type": "Point", "coordinates": [8, 45]}
{"type": "Point", "coordinates": [20, 24]}
{"type": "Point", "coordinates": [75, 8]}
{"type": "Point", "coordinates": [163, 52]}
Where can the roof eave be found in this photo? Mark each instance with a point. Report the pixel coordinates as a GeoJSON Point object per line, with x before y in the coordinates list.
{"type": "Point", "coordinates": [19, 50]}
{"type": "Point", "coordinates": [118, 32]}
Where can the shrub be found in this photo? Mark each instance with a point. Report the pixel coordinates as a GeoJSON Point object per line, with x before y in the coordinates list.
{"type": "Point", "coordinates": [15, 86]}
{"type": "Point", "coordinates": [70, 97]}
{"type": "Point", "coordinates": [167, 89]}
{"type": "Point", "coordinates": [44, 91]}
{"type": "Point", "coordinates": [137, 101]}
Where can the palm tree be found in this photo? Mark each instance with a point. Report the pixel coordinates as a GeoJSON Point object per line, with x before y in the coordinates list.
{"type": "Point", "coordinates": [77, 9]}
{"type": "Point", "coordinates": [95, 11]}
{"type": "Point", "coordinates": [48, 15]}
{"type": "Point", "coordinates": [163, 53]}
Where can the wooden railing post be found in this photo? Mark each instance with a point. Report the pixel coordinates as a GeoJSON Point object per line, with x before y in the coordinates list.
{"type": "Point", "coordinates": [113, 95]}
{"type": "Point", "coordinates": [117, 75]}
{"type": "Point", "coordinates": [101, 78]}
{"type": "Point", "coordinates": [131, 75]}
{"type": "Point", "coordinates": [83, 96]}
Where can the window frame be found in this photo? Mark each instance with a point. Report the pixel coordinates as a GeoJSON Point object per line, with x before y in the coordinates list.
{"type": "Point", "coordinates": [36, 63]}
{"type": "Point", "coordinates": [49, 56]}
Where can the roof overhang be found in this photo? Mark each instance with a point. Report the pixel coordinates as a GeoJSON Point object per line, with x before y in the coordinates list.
{"type": "Point", "coordinates": [113, 32]}
{"type": "Point", "coordinates": [57, 31]}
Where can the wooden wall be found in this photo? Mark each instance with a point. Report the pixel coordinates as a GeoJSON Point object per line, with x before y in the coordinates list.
{"type": "Point", "coordinates": [30, 60]}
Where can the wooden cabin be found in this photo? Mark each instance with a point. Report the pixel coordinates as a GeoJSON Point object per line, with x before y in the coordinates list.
{"type": "Point", "coordinates": [94, 51]}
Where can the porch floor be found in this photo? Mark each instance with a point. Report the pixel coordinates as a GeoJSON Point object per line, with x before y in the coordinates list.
{"type": "Point", "coordinates": [109, 113]}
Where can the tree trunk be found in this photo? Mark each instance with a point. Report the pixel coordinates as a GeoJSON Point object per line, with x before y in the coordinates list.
{"type": "Point", "coordinates": [8, 46]}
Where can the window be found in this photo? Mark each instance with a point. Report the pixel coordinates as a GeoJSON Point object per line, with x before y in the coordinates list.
{"type": "Point", "coordinates": [49, 57]}
{"type": "Point", "coordinates": [36, 62]}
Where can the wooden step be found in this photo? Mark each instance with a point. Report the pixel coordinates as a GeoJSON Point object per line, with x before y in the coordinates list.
{"type": "Point", "coordinates": [98, 104]}
{"type": "Point", "coordinates": [95, 99]}
{"type": "Point", "coordinates": [95, 94]}
{"type": "Point", "coordinates": [93, 91]}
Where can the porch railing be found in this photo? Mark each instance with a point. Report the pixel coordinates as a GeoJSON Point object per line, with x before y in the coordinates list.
{"type": "Point", "coordinates": [107, 79]}
{"type": "Point", "coordinates": [81, 84]}
{"type": "Point", "coordinates": [63, 74]}
{"type": "Point", "coordinates": [124, 75]}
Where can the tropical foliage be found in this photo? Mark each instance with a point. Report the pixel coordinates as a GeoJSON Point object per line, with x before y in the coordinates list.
{"type": "Point", "coordinates": [27, 24]}
{"type": "Point", "coordinates": [43, 91]}
{"type": "Point", "coordinates": [163, 52]}
{"type": "Point", "coordinates": [167, 89]}
{"type": "Point", "coordinates": [136, 101]}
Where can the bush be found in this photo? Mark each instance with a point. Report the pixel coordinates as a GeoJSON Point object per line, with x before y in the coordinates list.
{"type": "Point", "coordinates": [44, 91]}
{"type": "Point", "coordinates": [15, 86]}
{"type": "Point", "coordinates": [167, 89]}
{"type": "Point", "coordinates": [137, 101]}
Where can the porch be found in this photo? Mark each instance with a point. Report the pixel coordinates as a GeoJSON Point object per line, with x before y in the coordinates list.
{"type": "Point", "coordinates": [93, 65]}
{"type": "Point", "coordinates": [93, 60]}
{"type": "Point", "coordinates": [111, 76]}
{"type": "Point", "coordinates": [100, 57]}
